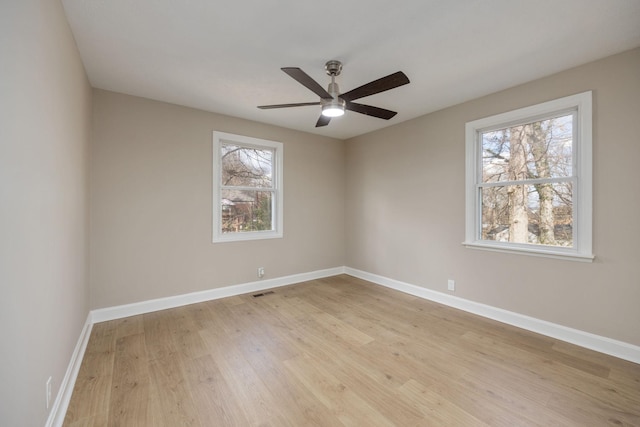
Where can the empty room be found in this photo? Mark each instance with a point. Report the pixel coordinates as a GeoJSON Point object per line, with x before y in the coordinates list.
{"type": "Point", "coordinates": [289, 213]}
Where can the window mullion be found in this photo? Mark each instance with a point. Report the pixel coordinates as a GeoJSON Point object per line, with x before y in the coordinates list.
{"type": "Point", "coordinates": [246, 188]}
{"type": "Point", "coordinates": [525, 182]}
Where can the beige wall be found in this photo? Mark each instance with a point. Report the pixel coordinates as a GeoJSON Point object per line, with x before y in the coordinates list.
{"type": "Point", "coordinates": [45, 119]}
{"type": "Point", "coordinates": [151, 173]}
{"type": "Point", "coordinates": [405, 208]}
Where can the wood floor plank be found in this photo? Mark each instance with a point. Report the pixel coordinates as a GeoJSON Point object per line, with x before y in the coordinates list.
{"type": "Point", "coordinates": [173, 393]}
{"type": "Point", "coordinates": [331, 323]}
{"type": "Point", "coordinates": [128, 326]}
{"type": "Point", "coordinates": [505, 401]}
{"type": "Point", "coordinates": [359, 372]}
{"type": "Point", "coordinates": [263, 351]}
{"type": "Point", "coordinates": [129, 395]}
{"type": "Point", "coordinates": [97, 392]}
{"type": "Point", "coordinates": [562, 377]}
{"type": "Point", "coordinates": [94, 377]}
{"type": "Point", "coordinates": [258, 404]}
{"type": "Point", "coordinates": [591, 412]}
{"type": "Point", "coordinates": [302, 407]}
{"type": "Point", "coordinates": [211, 394]}
{"type": "Point", "coordinates": [340, 351]}
{"type": "Point", "coordinates": [97, 420]}
{"type": "Point", "coordinates": [341, 401]}
{"type": "Point", "coordinates": [438, 410]}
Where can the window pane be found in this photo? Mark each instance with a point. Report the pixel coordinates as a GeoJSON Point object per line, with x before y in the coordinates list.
{"type": "Point", "coordinates": [541, 149]}
{"type": "Point", "coordinates": [537, 214]}
{"type": "Point", "coordinates": [247, 210]}
{"type": "Point", "coordinates": [246, 167]}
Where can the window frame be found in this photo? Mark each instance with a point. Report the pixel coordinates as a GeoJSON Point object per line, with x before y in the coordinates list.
{"type": "Point", "coordinates": [277, 201]}
{"type": "Point", "coordinates": [581, 174]}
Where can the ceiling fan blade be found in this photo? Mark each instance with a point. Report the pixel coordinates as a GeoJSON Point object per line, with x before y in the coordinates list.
{"type": "Point", "coordinates": [370, 110]}
{"type": "Point", "coordinates": [306, 81]}
{"type": "Point", "coordinates": [385, 83]}
{"type": "Point", "coordinates": [299, 104]}
{"type": "Point", "coordinates": [323, 121]}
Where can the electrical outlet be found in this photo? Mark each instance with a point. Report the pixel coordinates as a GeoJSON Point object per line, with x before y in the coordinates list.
{"type": "Point", "coordinates": [451, 285]}
{"type": "Point", "coordinates": [260, 272]}
{"type": "Point", "coordinates": [48, 391]}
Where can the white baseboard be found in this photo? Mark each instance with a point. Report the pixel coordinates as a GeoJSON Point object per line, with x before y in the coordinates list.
{"type": "Point", "coordinates": [598, 343]}
{"type": "Point", "coordinates": [63, 397]}
{"type": "Point", "coordinates": [117, 312]}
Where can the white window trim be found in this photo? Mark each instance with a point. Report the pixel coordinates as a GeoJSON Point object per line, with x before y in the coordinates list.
{"type": "Point", "coordinates": [582, 165]}
{"type": "Point", "coordinates": [278, 212]}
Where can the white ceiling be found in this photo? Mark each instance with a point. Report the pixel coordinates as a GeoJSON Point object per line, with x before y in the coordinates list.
{"type": "Point", "coordinates": [225, 56]}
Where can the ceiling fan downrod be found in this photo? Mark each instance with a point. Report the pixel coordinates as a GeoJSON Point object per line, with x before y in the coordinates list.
{"type": "Point", "coordinates": [333, 107]}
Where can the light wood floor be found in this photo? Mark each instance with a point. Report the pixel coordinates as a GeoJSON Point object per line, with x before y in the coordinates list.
{"type": "Point", "coordinates": [341, 352]}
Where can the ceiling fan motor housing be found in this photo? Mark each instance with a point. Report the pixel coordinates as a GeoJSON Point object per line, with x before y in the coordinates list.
{"type": "Point", "coordinates": [335, 102]}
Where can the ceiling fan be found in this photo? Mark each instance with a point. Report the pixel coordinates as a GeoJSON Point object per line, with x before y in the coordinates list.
{"type": "Point", "coordinates": [333, 102]}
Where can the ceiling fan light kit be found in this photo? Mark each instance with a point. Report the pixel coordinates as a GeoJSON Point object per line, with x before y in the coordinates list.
{"type": "Point", "coordinates": [333, 108]}
{"type": "Point", "coordinates": [333, 103]}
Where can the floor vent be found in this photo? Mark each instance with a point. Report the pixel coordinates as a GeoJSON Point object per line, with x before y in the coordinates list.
{"type": "Point", "coordinates": [263, 294]}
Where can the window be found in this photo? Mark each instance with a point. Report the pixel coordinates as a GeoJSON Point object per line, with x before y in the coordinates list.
{"type": "Point", "coordinates": [528, 180]}
{"type": "Point", "coordinates": [247, 188]}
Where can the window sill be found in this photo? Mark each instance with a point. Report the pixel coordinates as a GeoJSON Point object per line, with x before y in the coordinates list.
{"type": "Point", "coordinates": [539, 252]}
{"type": "Point", "coordinates": [246, 236]}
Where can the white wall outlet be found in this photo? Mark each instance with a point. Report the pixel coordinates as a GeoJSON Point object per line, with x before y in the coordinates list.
{"type": "Point", "coordinates": [48, 391]}
{"type": "Point", "coordinates": [260, 272]}
{"type": "Point", "coordinates": [451, 285]}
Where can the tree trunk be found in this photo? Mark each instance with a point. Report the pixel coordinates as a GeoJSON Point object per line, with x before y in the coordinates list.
{"type": "Point", "coordinates": [519, 220]}
{"type": "Point", "coordinates": [538, 141]}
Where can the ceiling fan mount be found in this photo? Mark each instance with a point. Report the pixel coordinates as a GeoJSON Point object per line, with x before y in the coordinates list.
{"type": "Point", "coordinates": [333, 68]}
{"type": "Point", "coordinates": [333, 103]}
